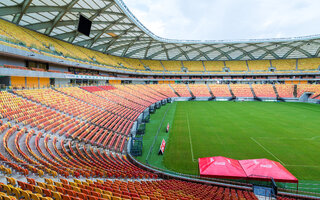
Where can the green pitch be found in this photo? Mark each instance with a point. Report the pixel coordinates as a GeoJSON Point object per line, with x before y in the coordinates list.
{"type": "Point", "coordinates": [285, 132]}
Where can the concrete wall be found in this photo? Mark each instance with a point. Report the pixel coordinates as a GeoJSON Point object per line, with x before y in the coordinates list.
{"type": "Point", "coordinates": [60, 81]}
{"type": "Point", "coordinates": [6, 60]}
{"type": "Point", "coordinates": [58, 68]}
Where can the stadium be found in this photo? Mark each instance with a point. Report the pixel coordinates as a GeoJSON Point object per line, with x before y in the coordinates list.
{"type": "Point", "coordinates": [93, 106]}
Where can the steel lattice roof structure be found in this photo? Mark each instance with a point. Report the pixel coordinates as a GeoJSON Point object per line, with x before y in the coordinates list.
{"type": "Point", "coordinates": [116, 31]}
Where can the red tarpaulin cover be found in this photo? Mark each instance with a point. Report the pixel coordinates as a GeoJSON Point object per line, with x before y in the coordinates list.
{"type": "Point", "coordinates": [260, 169]}
{"type": "Point", "coordinates": [257, 169]}
{"type": "Point", "coordinates": [221, 167]}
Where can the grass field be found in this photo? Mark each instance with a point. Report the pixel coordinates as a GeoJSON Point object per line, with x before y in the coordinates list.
{"type": "Point", "coordinates": [285, 132]}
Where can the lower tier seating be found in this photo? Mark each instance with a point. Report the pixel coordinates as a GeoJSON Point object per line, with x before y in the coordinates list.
{"type": "Point", "coordinates": [116, 190]}
{"type": "Point", "coordinates": [302, 88]}
{"type": "Point", "coordinates": [70, 143]}
{"type": "Point", "coordinates": [220, 90]}
{"type": "Point", "coordinates": [181, 89]}
{"type": "Point", "coordinates": [241, 90]}
{"type": "Point", "coordinates": [285, 91]}
{"type": "Point", "coordinates": [264, 90]}
{"type": "Point", "coordinates": [199, 90]}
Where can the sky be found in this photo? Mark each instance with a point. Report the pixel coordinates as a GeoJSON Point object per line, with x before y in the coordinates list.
{"type": "Point", "coordinates": [227, 19]}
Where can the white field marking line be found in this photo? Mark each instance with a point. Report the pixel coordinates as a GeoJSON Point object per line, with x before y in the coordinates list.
{"type": "Point", "coordinates": [190, 140]}
{"type": "Point", "coordinates": [267, 151]}
{"type": "Point", "coordinates": [288, 138]}
{"type": "Point", "coordinates": [314, 166]}
{"type": "Point", "coordinates": [315, 137]}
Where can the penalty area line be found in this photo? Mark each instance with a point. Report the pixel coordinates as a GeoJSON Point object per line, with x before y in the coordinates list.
{"type": "Point", "coordinates": [267, 151]}
{"type": "Point", "coordinates": [190, 140]}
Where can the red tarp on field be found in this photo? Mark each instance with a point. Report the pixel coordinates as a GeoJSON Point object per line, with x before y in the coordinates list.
{"type": "Point", "coordinates": [260, 169]}
{"type": "Point", "coordinates": [257, 169]}
{"type": "Point", "coordinates": [221, 167]}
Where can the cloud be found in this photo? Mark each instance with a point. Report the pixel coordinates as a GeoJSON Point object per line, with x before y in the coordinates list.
{"type": "Point", "coordinates": [227, 19]}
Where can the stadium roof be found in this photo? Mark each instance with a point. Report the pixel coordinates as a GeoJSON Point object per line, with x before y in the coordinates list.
{"type": "Point", "coordinates": [116, 31]}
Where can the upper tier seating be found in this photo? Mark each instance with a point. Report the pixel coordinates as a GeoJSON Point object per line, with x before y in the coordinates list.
{"type": "Point", "coordinates": [31, 41]}
{"type": "Point", "coordinates": [154, 65]}
{"type": "Point", "coordinates": [259, 65]}
{"type": "Point", "coordinates": [134, 63]}
{"type": "Point", "coordinates": [120, 62]}
{"type": "Point", "coordinates": [285, 64]}
{"type": "Point", "coordinates": [212, 66]}
{"type": "Point", "coordinates": [196, 66]}
{"type": "Point", "coordinates": [13, 31]}
{"type": "Point", "coordinates": [237, 65]}
{"type": "Point", "coordinates": [220, 90]}
{"type": "Point", "coordinates": [285, 91]}
{"type": "Point", "coordinates": [264, 90]}
{"type": "Point", "coordinates": [241, 90]}
{"type": "Point", "coordinates": [172, 65]}
{"type": "Point", "coordinates": [181, 89]}
{"type": "Point", "coordinates": [308, 64]}
{"type": "Point", "coordinates": [199, 90]}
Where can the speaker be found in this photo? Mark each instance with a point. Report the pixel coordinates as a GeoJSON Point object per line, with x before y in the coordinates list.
{"type": "Point", "coordinates": [84, 25]}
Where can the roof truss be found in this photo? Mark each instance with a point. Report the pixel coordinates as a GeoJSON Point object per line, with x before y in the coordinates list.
{"type": "Point", "coordinates": [112, 16]}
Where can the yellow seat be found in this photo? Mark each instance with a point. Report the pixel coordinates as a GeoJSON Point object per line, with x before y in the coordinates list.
{"type": "Point", "coordinates": [85, 183]}
{"type": "Point", "coordinates": [8, 171]}
{"type": "Point", "coordinates": [46, 198]}
{"type": "Point", "coordinates": [73, 184]}
{"type": "Point", "coordinates": [116, 198]}
{"type": "Point", "coordinates": [89, 181]}
{"type": "Point", "coordinates": [38, 190]}
{"type": "Point", "coordinates": [51, 187]}
{"type": "Point", "coordinates": [106, 196]}
{"type": "Point", "coordinates": [41, 184]}
{"type": "Point", "coordinates": [35, 196]}
{"type": "Point", "coordinates": [74, 188]}
{"type": "Point", "coordinates": [56, 195]}
{"type": "Point", "coordinates": [7, 188]}
{"type": "Point", "coordinates": [54, 174]}
{"type": "Point", "coordinates": [25, 194]}
{"type": "Point", "coordinates": [144, 197]}
{"type": "Point", "coordinates": [40, 173]}
{"type": "Point", "coordinates": [77, 181]}
{"type": "Point", "coordinates": [57, 184]}
{"type": "Point", "coordinates": [98, 190]}
{"type": "Point", "coordinates": [11, 181]}
{"type": "Point", "coordinates": [17, 192]}
{"type": "Point", "coordinates": [8, 198]}
{"type": "Point", "coordinates": [107, 192]}
{"type": "Point", "coordinates": [48, 180]}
